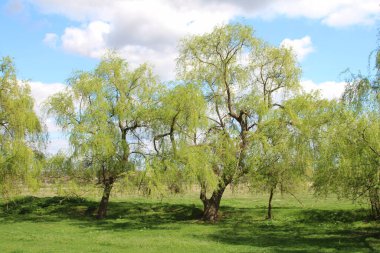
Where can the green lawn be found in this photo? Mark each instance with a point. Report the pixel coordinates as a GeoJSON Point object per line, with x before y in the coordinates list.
{"type": "Point", "coordinates": [57, 224]}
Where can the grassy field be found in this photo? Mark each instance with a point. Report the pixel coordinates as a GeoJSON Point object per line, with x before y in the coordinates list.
{"type": "Point", "coordinates": [58, 224]}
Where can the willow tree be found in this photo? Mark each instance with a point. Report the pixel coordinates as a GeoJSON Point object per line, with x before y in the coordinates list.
{"type": "Point", "coordinates": [349, 163]}
{"type": "Point", "coordinates": [106, 113]}
{"type": "Point", "coordinates": [243, 80]}
{"type": "Point", "coordinates": [275, 158]}
{"type": "Point", "coordinates": [362, 99]}
{"type": "Point", "coordinates": [281, 151]}
{"type": "Point", "coordinates": [20, 132]}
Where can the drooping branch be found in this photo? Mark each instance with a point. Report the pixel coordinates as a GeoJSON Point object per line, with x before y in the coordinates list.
{"type": "Point", "coordinates": [369, 145]}
{"type": "Point", "coordinates": [170, 133]}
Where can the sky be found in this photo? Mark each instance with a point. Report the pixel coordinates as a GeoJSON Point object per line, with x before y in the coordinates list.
{"type": "Point", "coordinates": [50, 39]}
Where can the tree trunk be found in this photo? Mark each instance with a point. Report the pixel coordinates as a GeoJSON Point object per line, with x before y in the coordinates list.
{"type": "Point", "coordinates": [375, 203]}
{"type": "Point", "coordinates": [211, 205]}
{"type": "Point", "coordinates": [103, 205]}
{"type": "Point", "coordinates": [269, 215]}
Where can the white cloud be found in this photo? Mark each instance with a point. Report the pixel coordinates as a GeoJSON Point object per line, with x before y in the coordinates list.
{"type": "Point", "coordinates": [51, 39]}
{"type": "Point", "coordinates": [354, 12]}
{"type": "Point", "coordinates": [331, 12]}
{"type": "Point", "coordinates": [41, 91]}
{"type": "Point", "coordinates": [140, 31]}
{"type": "Point", "coordinates": [162, 61]}
{"type": "Point", "coordinates": [88, 40]}
{"type": "Point", "coordinates": [329, 89]}
{"type": "Point", "coordinates": [155, 26]}
{"type": "Point", "coordinates": [301, 47]}
{"type": "Point", "coordinates": [334, 13]}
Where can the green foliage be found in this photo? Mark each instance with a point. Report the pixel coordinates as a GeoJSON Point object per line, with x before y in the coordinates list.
{"type": "Point", "coordinates": [281, 151]}
{"type": "Point", "coordinates": [244, 81]}
{"type": "Point", "coordinates": [179, 113]}
{"type": "Point", "coordinates": [58, 166]}
{"type": "Point", "coordinates": [67, 175]}
{"type": "Point", "coordinates": [185, 100]}
{"type": "Point", "coordinates": [275, 157]}
{"type": "Point", "coordinates": [348, 161]}
{"type": "Point", "coordinates": [105, 112]}
{"type": "Point", "coordinates": [362, 94]}
{"type": "Point", "coordinates": [200, 164]}
{"type": "Point", "coordinates": [20, 133]}
{"type": "Point", "coordinates": [349, 157]}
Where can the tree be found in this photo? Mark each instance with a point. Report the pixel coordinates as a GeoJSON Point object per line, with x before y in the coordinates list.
{"type": "Point", "coordinates": [241, 78]}
{"type": "Point", "coordinates": [281, 151]}
{"type": "Point", "coordinates": [349, 159]}
{"type": "Point", "coordinates": [106, 113]}
{"type": "Point", "coordinates": [348, 162]}
{"type": "Point", "coordinates": [21, 133]}
{"type": "Point", "coordinates": [275, 153]}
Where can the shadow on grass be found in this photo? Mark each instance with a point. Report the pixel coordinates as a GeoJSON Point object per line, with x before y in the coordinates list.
{"type": "Point", "coordinates": [334, 216]}
{"type": "Point", "coordinates": [306, 230]}
{"type": "Point", "coordinates": [121, 215]}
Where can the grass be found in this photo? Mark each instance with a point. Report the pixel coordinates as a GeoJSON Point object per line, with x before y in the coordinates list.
{"type": "Point", "coordinates": [58, 224]}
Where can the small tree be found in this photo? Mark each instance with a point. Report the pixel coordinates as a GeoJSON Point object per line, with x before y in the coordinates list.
{"type": "Point", "coordinates": [275, 163]}
{"type": "Point", "coordinates": [348, 159]}
{"type": "Point", "coordinates": [21, 133]}
{"type": "Point", "coordinates": [349, 163]}
{"type": "Point", "coordinates": [281, 151]}
{"type": "Point", "coordinates": [106, 113]}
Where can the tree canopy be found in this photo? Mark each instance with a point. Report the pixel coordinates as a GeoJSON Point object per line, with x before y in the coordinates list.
{"type": "Point", "coordinates": [105, 113]}
{"type": "Point", "coordinates": [21, 133]}
{"type": "Point", "coordinates": [244, 81]}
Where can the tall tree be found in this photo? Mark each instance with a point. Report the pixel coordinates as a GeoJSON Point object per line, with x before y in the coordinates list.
{"type": "Point", "coordinates": [106, 113]}
{"type": "Point", "coordinates": [242, 79]}
{"type": "Point", "coordinates": [21, 133]}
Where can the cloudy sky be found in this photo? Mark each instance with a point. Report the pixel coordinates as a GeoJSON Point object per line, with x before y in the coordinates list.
{"type": "Point", "coordinates": [49, 39]}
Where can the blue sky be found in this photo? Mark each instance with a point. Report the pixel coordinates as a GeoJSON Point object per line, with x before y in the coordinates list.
{"type": "Point", "coordinates": [22, 38]}
{"type": "Point", "coordinates": [49, 39]}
